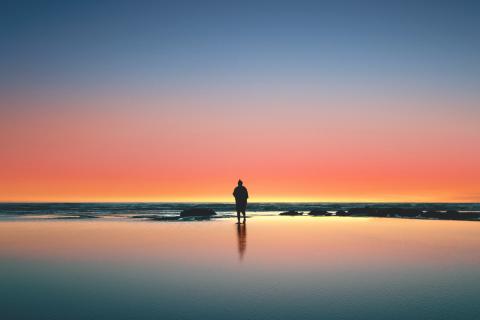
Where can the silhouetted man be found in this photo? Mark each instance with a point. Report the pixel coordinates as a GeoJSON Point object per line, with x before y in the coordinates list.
{"type": "Point", "coordinates": [241, 195]}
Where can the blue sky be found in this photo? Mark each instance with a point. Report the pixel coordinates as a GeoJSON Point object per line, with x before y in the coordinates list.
{"type": "Point", "coordinates": [181, 43]}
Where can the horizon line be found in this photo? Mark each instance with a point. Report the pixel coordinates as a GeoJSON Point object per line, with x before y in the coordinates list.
{"type": "Point", "coordinates": [253, 202]}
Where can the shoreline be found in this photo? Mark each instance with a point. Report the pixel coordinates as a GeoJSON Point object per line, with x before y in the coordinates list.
{"type": "Point", "coordinates": [206, 211]}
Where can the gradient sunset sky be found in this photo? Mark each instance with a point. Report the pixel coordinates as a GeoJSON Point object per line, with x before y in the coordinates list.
{"type": "Point", "coordinates": [303, 100]}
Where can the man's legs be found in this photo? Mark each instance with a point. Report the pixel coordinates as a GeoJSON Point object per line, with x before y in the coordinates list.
{"type": "Point", "coordinates": [244, 216]}
{"type": "Point", "coordinates": [238, 216]}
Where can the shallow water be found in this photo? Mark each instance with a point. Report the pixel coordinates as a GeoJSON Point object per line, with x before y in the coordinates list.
{"type": "Point", "coordinates": [274, 268]}
{"type": "Point", "coordinates": [129, 209]}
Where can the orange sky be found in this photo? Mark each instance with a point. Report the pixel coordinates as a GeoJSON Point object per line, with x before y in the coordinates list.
{"type": "Point", "coordinates": [194, 148]}
{"type": "Point", "coordinates": [310, 101]}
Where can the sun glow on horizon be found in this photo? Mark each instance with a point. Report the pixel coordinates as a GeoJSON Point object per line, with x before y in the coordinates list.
{"type": "Point", "coordinates": [334, 103]}
{"type": "Point", "coordinates": [255, 199]}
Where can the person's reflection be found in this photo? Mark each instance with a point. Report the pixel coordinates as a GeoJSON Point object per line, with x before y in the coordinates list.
{"type": "Point", "coordinates": [242, 239]}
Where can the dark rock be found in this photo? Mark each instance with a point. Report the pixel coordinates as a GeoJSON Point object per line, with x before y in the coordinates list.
{"type": "Point", "coordinates": [143, 216]}
{"type": "Point", "coordinates": [385, 212]}
{"type": "Point", "coordinates": [82, 216]}
{"type": "Point", "coordinates": [407, 212]}
{"type": "Point", "coordinates": [163, 218]}
{"type": "Point", "coordinates": [317, 212]}
{"type": "Point", "coordinates": [463, 215]}
{"type": "Point", "coordinates": [366, 211]}
{"type": "Point", "coordinates": [197, 212]}
{"type": "Point", "coordinates": [451, 212]}
{"type": "Point", "coordinates": [361, 211]}
{"type": "Point", "coordinates": [451, 215]}
{"type": "Point", "coordinates": [196, 218]}
{"type": "Point", "coordinates": [291, 213]}
{"type": "Point", "coordinates": [431, 214]}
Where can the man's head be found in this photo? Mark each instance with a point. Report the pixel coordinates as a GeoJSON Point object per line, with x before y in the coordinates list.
{"type": "Point", "coordinates": [240, 182]}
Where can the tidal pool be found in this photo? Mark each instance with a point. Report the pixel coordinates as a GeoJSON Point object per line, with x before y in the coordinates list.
{"type": "Point", "coordinates": [272, 268]}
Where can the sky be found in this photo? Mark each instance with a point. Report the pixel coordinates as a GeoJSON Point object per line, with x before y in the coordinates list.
{"type": "Point", "coordinates": [302, 100]}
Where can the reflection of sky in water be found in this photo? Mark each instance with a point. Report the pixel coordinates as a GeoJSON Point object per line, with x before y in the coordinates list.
{"type": "Point", "coordinates": [300, 267]}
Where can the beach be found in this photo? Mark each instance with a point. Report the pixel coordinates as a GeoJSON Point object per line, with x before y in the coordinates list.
{"type": "Point", "coordinates": [274, 267]}
{"type": "Point", "coordinates": [237, 160]}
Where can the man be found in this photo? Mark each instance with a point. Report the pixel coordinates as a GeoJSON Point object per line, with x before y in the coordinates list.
{"type": "Point", "coordinates": [241, 195]}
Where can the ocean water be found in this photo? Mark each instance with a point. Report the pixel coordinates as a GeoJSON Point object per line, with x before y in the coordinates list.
{"type": "Point", "coordinates": [119, 267]}
{"type": "Point", "coordinates": [128, 210]}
